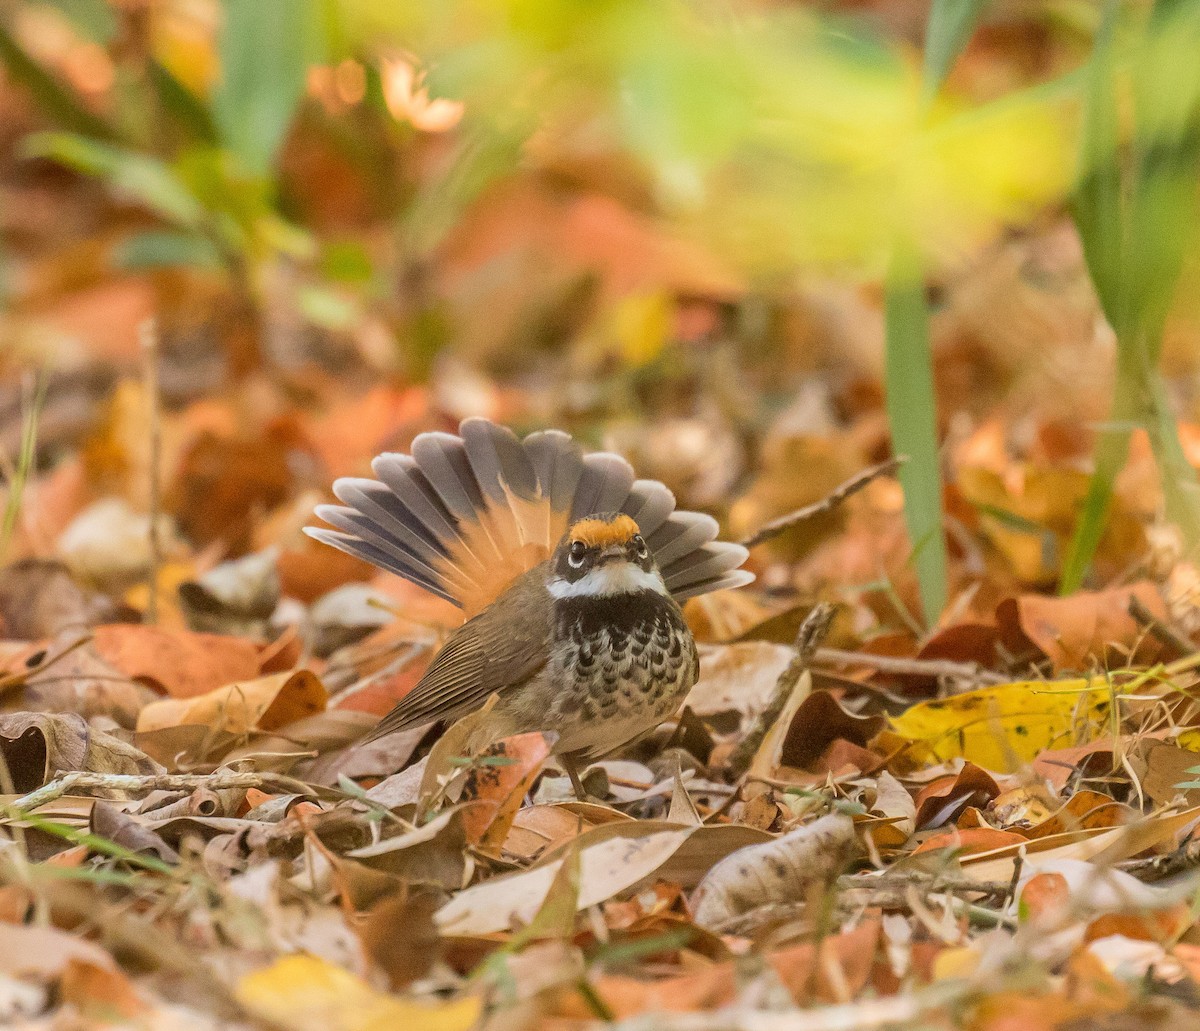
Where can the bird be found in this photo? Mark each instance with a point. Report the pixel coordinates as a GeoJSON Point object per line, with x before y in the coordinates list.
{"type": "Point", "coordinates": [569, 572]}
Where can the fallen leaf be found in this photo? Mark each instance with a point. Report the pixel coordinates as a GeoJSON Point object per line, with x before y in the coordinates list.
{"type": "Point", "coordinates": [1002, 727]}
{"type": "Point", "coordinates": [819, 722]}
{"type": "Point", "coordinates": [502, 775]}
{"type": "Point", "coordinates": [37, 745]}
{"type": "Point", "coordinates": [304, 993]}
{"type": "Point", "coordinates": [181, 663]}
{"type": "Point", "coordinates": [942, 800]}
{"type": "Point", "coordinates": [614, 858]}
{"type": "Point", "coordinates": [775, 871]}
{"type": "Point", "coordinates": [40, 598]}
{"type": "Point", "coordinates": [971, 840]}
{"type": "Point", "coordinates": [738, 678]}
{"type": "Point", "coordinates": [266, 703]}
{"type": "Point", "coordinates": [27, 950]}
{"type": "Point", "coordinates": [100, 991]}
{"type": "Point", "coordinates": [128, 832]}
{"type": "Point", "coordinates": [1087, 626]}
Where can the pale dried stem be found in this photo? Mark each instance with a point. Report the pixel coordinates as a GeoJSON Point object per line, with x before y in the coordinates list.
{"type": "Point", "coordinates": [137, 784]}
{"type": "Point", "coordinates": [149, 340]}
{"type": "Point", "coordinates": [913, 667]}
{"type": "Point", "coordinates": [812, 632]}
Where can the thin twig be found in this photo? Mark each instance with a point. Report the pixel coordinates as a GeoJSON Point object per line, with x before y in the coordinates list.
{"type": "Point", "coordinates": [904, 1010]}
{"type": "Point", "coordinates": [138, 784]}
{"type": "Point", "coordinates": [812, 632]}
{"type": "Point", "coordinates": [839, 494]}
{"type": "Point", "coordinates": [1162, 632]}
{"type": "Point", "coordinates": [149, 340]}
{"type": "Point", "coordinates": [916, 667]}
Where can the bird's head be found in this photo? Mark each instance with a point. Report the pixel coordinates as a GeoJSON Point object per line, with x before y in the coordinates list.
{"type": "Point", "coordinates": [603, 555]}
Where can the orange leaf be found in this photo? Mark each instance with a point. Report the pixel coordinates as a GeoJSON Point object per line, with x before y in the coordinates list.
{"type": "Point", "coordinates": [101, 991]}
{"type": "Point", "coordinates": [971, 839]}
{"type": "Point", "coordinates": [266, 703]}
{"type": "Point", "coordinates": [182, 663]}
{"type": "Point", "coordinates": [943, 799]}
{"type": "Point", "coordinates": [1044, 893]}
{"type": "Point", "coordinates": [519, 759]}
{"type": "Point", "coordinates": [1074, 630]}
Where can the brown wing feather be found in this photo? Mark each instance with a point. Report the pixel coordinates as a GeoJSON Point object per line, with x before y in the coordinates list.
{"type": "Point", "coordinates": [505, 645]}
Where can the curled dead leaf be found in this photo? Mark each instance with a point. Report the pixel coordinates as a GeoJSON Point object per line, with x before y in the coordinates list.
{"type": "Point", "coordinates": [776, 870]}
{"type": "Point", "coordinates": [265, 703]}
{"type": "Point", "coordinates": [37, 745]}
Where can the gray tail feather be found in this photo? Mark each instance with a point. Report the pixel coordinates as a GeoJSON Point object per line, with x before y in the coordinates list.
{"type": "Point", "coordinates": [422, 518]}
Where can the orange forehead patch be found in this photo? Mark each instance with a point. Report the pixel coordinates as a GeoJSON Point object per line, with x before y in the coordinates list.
{"type": "Point", "coordinates": [599, 533]}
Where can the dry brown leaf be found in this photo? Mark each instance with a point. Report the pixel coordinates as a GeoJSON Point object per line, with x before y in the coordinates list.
{"type": "Point", "coordinates": [942, 800]}
{"type": "Point", "coordinates": [37, 745]}
{"type": "Point", "coordinates": [775, 871]}
{"type": "Point", "coordinates": [44, 952]}
{"type": "Point", "coordinates": [129, 832]}
{"type": "Point", "coordinates": [738, 678]}
{"type": "Point", "coordinates": [100, 991]}
{"type": "Point", "coordinates": [502, 775]}
{"type": "Point", "coordinates": [614, 858]}
{"type": "Point", "coordinates": [1088, 626]}
{"type": "Point", "coordinates": [181, 663]}
{"type": "Point", "coordinates": [266, 703]}
{"type": "Point", "coordinates": [40, 598]}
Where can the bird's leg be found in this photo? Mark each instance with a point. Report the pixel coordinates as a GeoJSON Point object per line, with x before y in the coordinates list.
{"type": "Point", "coordinates": [569, 764]}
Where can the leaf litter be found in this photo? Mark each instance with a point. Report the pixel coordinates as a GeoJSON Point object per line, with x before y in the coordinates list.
{"type": "Point", "coordinates": [985, 823]}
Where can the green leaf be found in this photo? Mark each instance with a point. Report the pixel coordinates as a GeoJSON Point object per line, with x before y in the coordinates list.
{"type": "Point", "coordinates": [911, 410]}
{"type": "Point", "coordinates": [136, 177]}
{"type": "Point", "coordinates": [266, 47]}
{"type": "Point", "coordinates": [1097, 204]}
{"type": "Point", "coordinates": [165, 250]}
{"type": "Point", "coordinates": [950, 25]}
{"type": "Point", "coordinates": [1136, 219]}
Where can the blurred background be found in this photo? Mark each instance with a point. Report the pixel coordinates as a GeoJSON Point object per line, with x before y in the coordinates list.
{"type": "Point", "coordinates": [754, 246]}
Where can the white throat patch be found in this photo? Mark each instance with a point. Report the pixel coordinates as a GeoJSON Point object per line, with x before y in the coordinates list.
{"type": "Point", "coordinates": [613, 578]}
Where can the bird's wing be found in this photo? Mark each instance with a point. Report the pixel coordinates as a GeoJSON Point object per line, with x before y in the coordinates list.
{"type": "Point", "coordinates": [505, 645]}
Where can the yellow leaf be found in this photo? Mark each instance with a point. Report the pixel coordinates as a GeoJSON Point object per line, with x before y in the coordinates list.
{"type": "Point", "coordinates": [642, 323]}
{"type": "Point", "coordinates": [1002, 727]}
{"type": "Point", "coordinates": [266, 703]}
{"type": "Point", "coordinates": [304, 993]}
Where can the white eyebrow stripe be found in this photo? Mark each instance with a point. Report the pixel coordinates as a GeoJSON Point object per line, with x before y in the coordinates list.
{"type": "Point", "coordinates": [614, 578]}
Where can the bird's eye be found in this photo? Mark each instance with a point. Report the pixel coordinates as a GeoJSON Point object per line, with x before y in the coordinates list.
{"type": "Point", "coordinates": [575, 553]}
{"type": "Point", "coordinates": [639, 542]}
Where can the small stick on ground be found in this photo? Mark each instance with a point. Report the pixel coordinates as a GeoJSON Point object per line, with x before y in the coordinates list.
{"type": "Point", "coordinates": [137, 784]}
{"type": "Point", "coordinates": [812, 632]}
{"type": "Point", "coordinates": [917, 667]}
{"type": "Point", "coordinates": [148, 335]}
{"type": "Point", "coordinates": [839, 494]}
{"type": "Point", "coordinates": [1162, 632]}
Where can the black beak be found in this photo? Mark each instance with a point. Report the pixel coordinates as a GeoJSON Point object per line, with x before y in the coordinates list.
{"type": "Point", "coordinates": [613, 553]}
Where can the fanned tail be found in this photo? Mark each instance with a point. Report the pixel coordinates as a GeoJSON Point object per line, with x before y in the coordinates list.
{"type": "Point", "coordinates": [463, 516]}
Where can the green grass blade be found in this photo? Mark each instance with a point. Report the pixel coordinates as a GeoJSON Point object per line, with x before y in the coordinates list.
{"type": "Point", "coordinates": [950, 25]}
{"type": "Point", "coordinates": [266, 47]}
{"type": "Point", "coordinates": [909, 361]}
{"type": "Point", "coordinates": [912, 415]}
{"type": "Point", "coordinates": [1097, 203]}
{"type": "Point", "coordinates": [1099, 217]}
